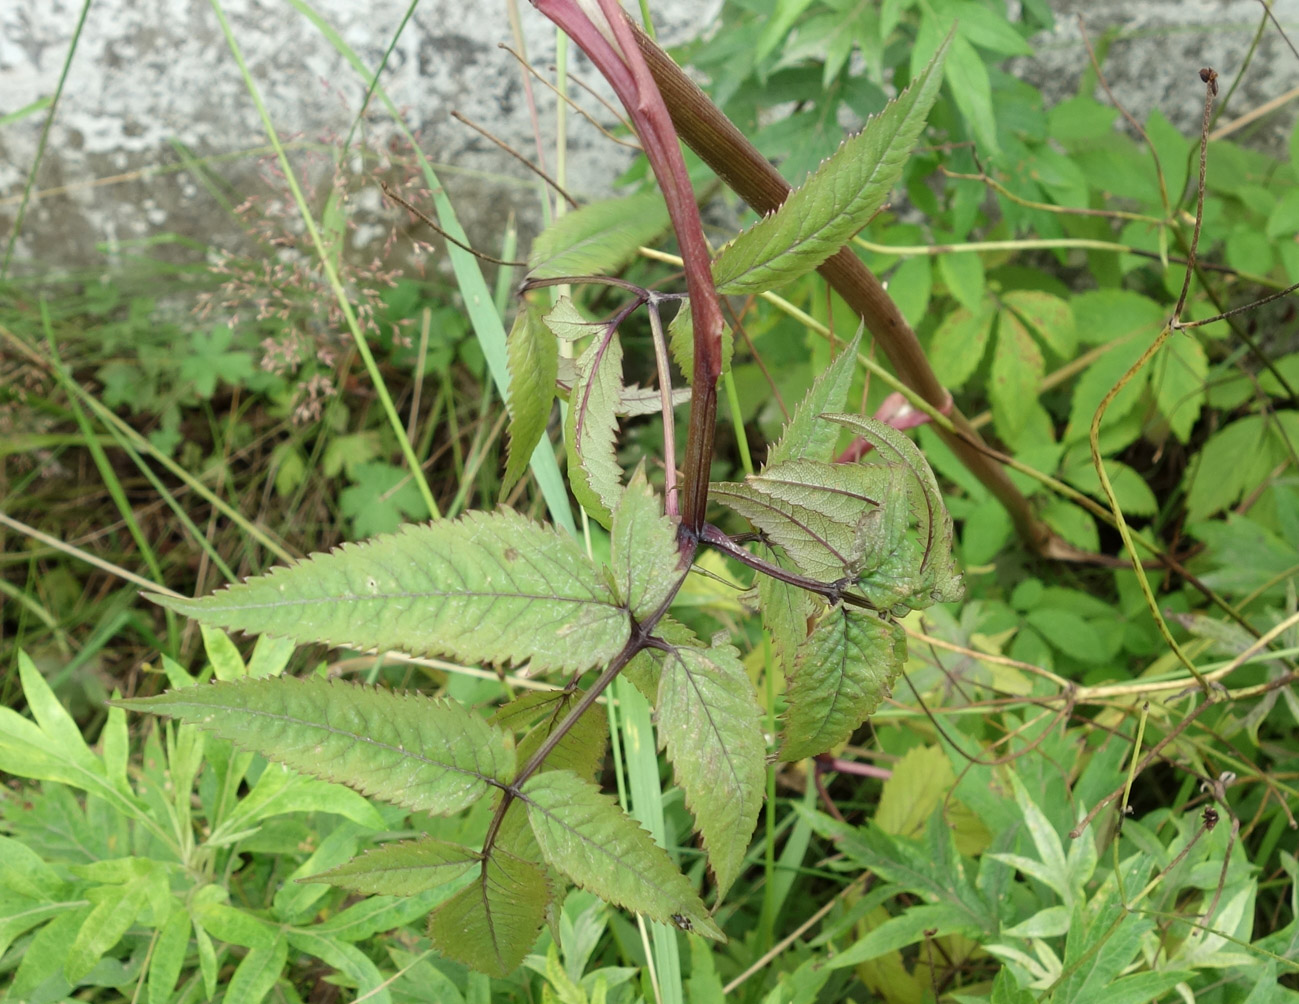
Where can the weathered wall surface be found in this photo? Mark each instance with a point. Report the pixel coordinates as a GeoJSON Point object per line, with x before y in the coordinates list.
{"type": "Point", "coordinates": [151, 74]}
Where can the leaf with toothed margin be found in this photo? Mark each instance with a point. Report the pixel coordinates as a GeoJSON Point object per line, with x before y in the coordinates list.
{"type": "Point", "coordinates": [806, 435]}
{"type": "Point", "coordinates": [533, 361]}
{"type": "Point", "coordinates": [645, 562]}
{"type": "Point", "coordinates": [785, 612]}
{"type": "Point", "coordinates": [598, 238]}
{"type": "Point", "coordinates": [414, 751]}
{"type": "Point", "coordinates": [402, 868]}
{"type": "Point", "coordinates": [710, 723]}
{"type": "Point", "coordinates": [839, 199]}
{"type": "Point", "coordinates": [491, 923]}
{"type": "Point", "coordinates": [488, 587]}
{"type": "Point", "coordinates": [568, 324]}
{"type": "Point", "coordinates": [584, 834]}
{"type": "Point", "coordinates": [591, 429]}
{"type": "Point", "coordinates": [842, 672]}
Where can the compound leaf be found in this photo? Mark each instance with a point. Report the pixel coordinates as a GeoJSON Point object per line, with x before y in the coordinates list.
{"type": "Point", "coordinates": [532, 356]}
{"type": "Point", "coordinates": [805, 435]}
{"type": "Point", "coordinates": [710, 723]}
{"type": "Point", "coordinates": [584, 834]}
{"type": "Point", "coordinates": [598, 238]}
{"type": "Point", "coordinates": [837, 201]}
{"type": "Point", "coordinates": [491, 923]}
{"type": "Point", "coordinates": [841, 674]}
{"type": "Point", "coordinates": [491, 587]}
{"type": "Point", "coordinates": [402, 868]}
{"type": "Point", "coordinates": [645, 559]}
{"type": "Point", "coordinates": [591, 429]}
{"type": "Point", "coordinates": [417, 752]}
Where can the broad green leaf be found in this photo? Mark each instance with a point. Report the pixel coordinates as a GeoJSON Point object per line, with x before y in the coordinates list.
{"type": "Point", "coordinates": [402, 868]}
{"type": "Point", "coordinates": [414, 751]}
{"type": "Point", "coordinates": [1049, 317]}
{"type": "Point", "coordinates": [591, 429]}
{"type": "Point", "coordinates": [258, 972]}
{"type": "Point", "coordinates": [585, 835]}
{"type": "Point", "coordinates": [53, 718]}
{"type": "Point", "coordinates": [710, 723]}
{"type": "Point", "coordinates": [1230, 463]}
{"type": "Point", "coordinates": [837, 201]}
{"type": "Point", "coordinates": [811, 509]}
{"type": "Point", "coordinates": [1017, 370]}
{"type": "Point", "coordinates": [645, 560]}
{"type": "Point", "coordinates": [921, 779]}
{"type": "Point", "coordinates": [115, 910]}
{"type": "Point", "coordinates": [959, 343]}
{"type": "Point", "coordinates": [681, 342]}
{"type": "Point", "coordinates": [841, 674]}
{"type": "Point", "coordinates": [491, 587]}
{"type": "Point", "coordinates": [805, 435]}
{"type": "Point", "coordinates": [599, 238]}
{"type": "Point", "coordinates": [1179, 372]}
{"type": "Point", "coordinates": [1097, 381]}
{"type": "Point", "coordinates": [46, 953]}
{"type": "Point", "coordinates": [26, 873]}
{"type": "Point", "coordinates": [964, 277]}
{"type": "Point", "coordinates": [967, 77]}
{"type": "Point", "coordinates": [491, 923]}
{"type": "Point", "coordinates": [533, 358]}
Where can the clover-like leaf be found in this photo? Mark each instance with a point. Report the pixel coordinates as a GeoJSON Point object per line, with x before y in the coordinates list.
{"type": "Point", "coordinates": [645, 560]}
{"type": "Point", "coordinates": [414, 751]}
{"type": "Point", "coordinates": [841, 674]}
{"type": "Point", "coordinates": [848, 189]}
{"type": "Point", "coordinates": [491, 587]}
{"type": "Point", "coordinates": [533, 361]}
{"type": "Point", "coordinates": [584, 834]}
{"type": "Point", "coordinates": [402, 868]}
{"type": "Point", "coordinates": [710, 723]}
{"type": "Point", "coordinates": [592, 427]}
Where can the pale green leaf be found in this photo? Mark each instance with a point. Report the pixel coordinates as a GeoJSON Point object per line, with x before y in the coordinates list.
{"type": "Point", "coordinates": [681, 342]}
{"type": "Point", "coordinates": [785, 613]}
{"type": "Point", "coordinates": [414, 751]}
{"type": "Point", "coordinates": [927, 921]}
{"type": "Point", "coordinates": [533, 359]}
{"type": "Point", "coordinates": [25, 872]}
{"type": "Point", "coordinates": [598, 238]}
{"type": "Point", "coordinates": [1017, 370]}
{"type": "Point", "coordinates": [964, 277]}
{"type": "Point", "coordinates": [920, 781]}
{"type": "Point", "coordinates": [645, 560]}
{"type": "Point", "coordinates": [837, 201]}
{"type": "Point", "coordinates": [568, 323]}
{"type": "Point", "coordinates": [1049, 317]}
{"type": "Point", "coordinates": [841, 674]}
{"type": "Point", "coordinates": [1230, 463]}
{"type": "Point", "coordinates": [115, 910]}
{"type": "Point", "coordinates": [492, 587]}
{"type": "Point", "coordinates": [967, 78]}
{"type": "Point", "coordinates": [491, 923]}
{"type": "Point", "coordinates": [591, 429]}
{"type": "Point", "coordinates": [1179, 373]}
{"type": "Point", "coordinates": [805, 435]}
{"type": "Point", "coordinates": [258, 972]}
{"type": "Point", "coordinates": [168, 956]}
{"type": "Point", "coordinates": [711, 725]}
{"type": "Point", "coordinates": [959, 343]}
{"type": "Point", "coordinates": [54, 720]}
{"type": "Point", "coordinates": [402, 868]}
{"type": "Point", "coordinates": [585, 835]}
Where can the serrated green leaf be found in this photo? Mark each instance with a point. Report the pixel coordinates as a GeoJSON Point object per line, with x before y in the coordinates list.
{"type": "Point", "coordinates": [841, 674]}
{"type": "Point", "coordinates": [1017, 370]}
{"type": "Point", "coordinates": [645, 560]}
{"type": "Point", "coordinates": [403, 868]}
{"type": "Point", "coordinates": [1229, 464]}
{"type": "Point", "coordinates": [785, 612]}
{"type": "Point", "coordinates": [959, 343]}
{"type": "Point", "coordinates": [533, 359]}
{"type": "Point", "coordinates": [598, 238]}
{"type": "Point", "coordinates": [805, 435]}
{"type": "Point", "coordinates": [710, 724]}
{"type": "Point", "coordinates": [491, 923]}
{"type": "Point", "coordinates": [1050, 318]}
{"type": "Point", "coordinates": [591, 429]}
{"type": "Point", "coordinates": [492, 587]}
{"type": "Point", "coordinates": [568, 323]}
{"type": "Point", "coordinates": [584, 834]}
{"type": "Point", "coordinates": [681, 342]}
{"type": "Point", "coordinates": [837, 201]}
{"type": "Point", "coordinates": [414, 751]}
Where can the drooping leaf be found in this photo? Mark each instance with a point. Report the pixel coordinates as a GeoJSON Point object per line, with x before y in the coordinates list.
{"type": "Point", "coordinates": [837, 201]}
{"type": "Point", "coordinates": [805, 436]}
{"type": "Point", "coordinates": [1017, 370]}
{"type": "Point", "coordinates": [841, 674]}
{"type": "Point", "coordinates": [403, 868]}
{"type": "Point", "coordinates": [711, 725]}
{"type": "Point", "coordinates": [533, 359]}
{"type": "Point", "coordinates": [681, 342]}
{"type": "Point", "coordinates": [418, 752]}
{"type": "Point", "coordinates": [591, 429]}
{"type": "Point", "coordinates": [598, 238]}
{"type": "Point", "coordinates": [585, 835]}
{"type": "Point", "coordinates": [491, 923]}
{"type": "Point", "coordinates": [645, 560]}
{"type": "Point", "coordinates": [811, 509]}
{"type": "Point", "coordinates": [491, 587]}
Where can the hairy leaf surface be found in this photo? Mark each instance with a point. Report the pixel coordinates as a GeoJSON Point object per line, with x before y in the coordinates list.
{"type": "Point", "coordinates": [414, 751]}
{"type": "Point", "coordinates": [492, 587]}
{"type": "Point", "coordinates": [533, 360]}
{"type": "Point", "coordinates": [403, 868]}
{"type": "Point", "coordinates": [598, 238]}
{"type": "Point", "coordinates": [585, 835]}
{"type": "Point", "coordinates": [645, 559]}
{"type": "Point", "coordinates": [842, 672]}
{"type": "Point", "coordinates": [837, 201]}
{"type": "Point", "coordinates": [591, 429]}
{"type": "Point", "coordinates": [710, 723]}
{"type": "Point", "coordinates": [491, 923]}
{"type": "Point", "coordinates": [805, 435]}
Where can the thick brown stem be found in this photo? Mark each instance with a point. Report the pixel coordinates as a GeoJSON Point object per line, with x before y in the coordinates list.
{"type": "Point", "coordinates": [725, 149]}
